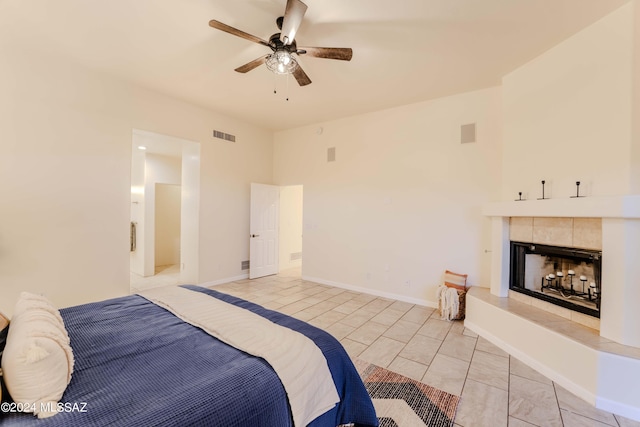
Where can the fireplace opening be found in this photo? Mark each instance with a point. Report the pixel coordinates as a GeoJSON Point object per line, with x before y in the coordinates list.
{"type": "Point", "coordinates": [568, 277]}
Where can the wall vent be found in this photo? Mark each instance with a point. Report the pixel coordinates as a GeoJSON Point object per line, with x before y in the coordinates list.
{"type": "Point", "coordinates": [244, 265]}
{"type": "Point", "coordinates": [468, 133]}
{"type": "Point", "coordinates": [295, 256]}
{"type": "Point", "coordinates": [225, 136]}
{"type": "Point", "coordinates": [331, 154]}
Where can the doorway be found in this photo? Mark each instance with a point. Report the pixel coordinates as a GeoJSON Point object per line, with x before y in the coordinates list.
{"type": "Point", "coordinates": [167, 228]}
{"type": "Point", "coordinates": [165, 192]}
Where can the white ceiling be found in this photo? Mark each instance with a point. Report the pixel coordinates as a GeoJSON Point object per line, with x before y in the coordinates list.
{"type": "Point", "coordinates": [404, 51]}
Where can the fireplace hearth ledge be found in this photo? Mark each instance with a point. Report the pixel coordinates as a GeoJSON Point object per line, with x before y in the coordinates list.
{"type": "Point", "coordinates": [600, 371]}
{"type": "Point", "coordinates": [585, 207]}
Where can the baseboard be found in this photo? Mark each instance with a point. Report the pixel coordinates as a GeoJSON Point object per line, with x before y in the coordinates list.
{"type": "Point", "coordinates": [223, 281]}
{"type": "Point", "coordinates": [374, 292]}
{"type": "Point", "coordinates": [618, 408]}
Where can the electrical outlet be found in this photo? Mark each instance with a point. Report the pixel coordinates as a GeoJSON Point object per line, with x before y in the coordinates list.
{"type": "Point", "coordinates": [407, 283]}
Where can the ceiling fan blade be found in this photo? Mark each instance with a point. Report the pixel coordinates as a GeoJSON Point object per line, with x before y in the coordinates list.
{"type": "Point", "coordinates": [236, 32]}
{"type": "Point", "coordinates": [341, 53]}
{"type": "Point", "coordinates": [301, 76]}
{"type": "Point", "coordinates": [251, 65]}
{"type": "Point", "coordinates": [293, 15]}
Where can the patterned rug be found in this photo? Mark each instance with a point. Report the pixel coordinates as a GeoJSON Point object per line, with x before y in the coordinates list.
{"type": "Point", "coordinates": [403, 402]}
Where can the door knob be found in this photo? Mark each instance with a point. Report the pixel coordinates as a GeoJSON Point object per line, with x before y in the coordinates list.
{"type": "Point", "coordinates": [255, 235]}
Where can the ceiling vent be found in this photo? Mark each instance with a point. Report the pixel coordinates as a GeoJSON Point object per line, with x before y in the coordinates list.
{"type": "Point", "coordinates": [225, 136]}
{"type": "Point", "coordinates": [331, 154]}
{"type": "Point", "coordinates": [468, 133]}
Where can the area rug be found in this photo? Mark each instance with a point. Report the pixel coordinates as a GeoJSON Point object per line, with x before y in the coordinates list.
{"type": "Point", "coordinates": [403, 402]}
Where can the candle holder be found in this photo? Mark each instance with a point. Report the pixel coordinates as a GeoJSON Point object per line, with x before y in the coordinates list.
{"type": "Point", "coordinates": [577, 190]}
{"type": "Point", "coordinates": [583, 279]}
{"type": "Point", "coordinates": [596, 294]}
{"type": "Point", "coordinates": [542, 198]}
{"type": "Point", "coordinates": [571, 273]}
{"type": "Point", "coordinates": [559, 287]}
{"type": "Point", "coordinates": [520, 199]}
{"type": "Point", "coordinates": [549, 278]}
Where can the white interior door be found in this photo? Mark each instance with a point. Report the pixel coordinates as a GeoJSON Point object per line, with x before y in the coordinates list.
{"type": "Point", "coordinates": [263, 238]}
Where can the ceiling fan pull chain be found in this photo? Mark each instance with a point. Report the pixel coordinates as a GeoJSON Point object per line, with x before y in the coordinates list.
{"type": "Point", "coordinates": [287, 87]}
{"type": "Point", "coordinates": [275, 83]}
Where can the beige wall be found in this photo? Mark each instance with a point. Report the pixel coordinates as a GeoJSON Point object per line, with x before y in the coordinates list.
{"type": "Point", "coordinates": [568, 115]}
{"type": "Point", "coordinates": [402, 201]}
{"type": "Point", "coordinates": [159, 169]}
{"type": "Point", "coordinates": [65, 154]}
{"type": "Point", "coordinates": [290, 235]}
{"type": "Point", "coordinates": [167, 236]}
{"type": "Point", "coordinates": [635, 112]}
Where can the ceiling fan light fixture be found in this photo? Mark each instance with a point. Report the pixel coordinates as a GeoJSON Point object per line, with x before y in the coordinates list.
{"type": "Point", "coordinates": [281, 62]}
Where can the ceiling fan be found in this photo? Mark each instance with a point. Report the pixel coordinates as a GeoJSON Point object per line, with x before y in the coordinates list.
{"type": "Point", "coordinates": [283, 45]}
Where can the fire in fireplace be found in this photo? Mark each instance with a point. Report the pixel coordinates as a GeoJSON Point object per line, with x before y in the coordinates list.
{"type": "Point", "coordinates": [568, 277]}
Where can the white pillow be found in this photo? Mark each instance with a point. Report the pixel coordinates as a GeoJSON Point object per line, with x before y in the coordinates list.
{"type": "Point", "coordinates": [28, 300]}
{"type": "Point", "coordinates": [37, 362]}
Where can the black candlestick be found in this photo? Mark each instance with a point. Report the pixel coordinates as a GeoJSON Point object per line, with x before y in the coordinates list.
{"type": "Point", "coordinates": [543, 198]}
{"type": "Point", "coordinates": [577, 190]}
{"type": "Point", "coordinates": [519, 199]}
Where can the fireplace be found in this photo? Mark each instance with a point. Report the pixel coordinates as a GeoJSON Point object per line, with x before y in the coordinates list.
{"type": "Point", "coordinates": [567, 277]}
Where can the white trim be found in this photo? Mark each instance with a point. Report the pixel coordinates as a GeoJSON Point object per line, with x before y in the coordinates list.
{"type": "Point", "coordinates": [618, 408]}
{"type": "Point", "coordinates": [584, 207]}
{"type": "Point", "coordinates": [533, 363]}
{"type": "Point", "coordinates": [374, 292]}
{"type": "Point", "coordinates": [223, 281]}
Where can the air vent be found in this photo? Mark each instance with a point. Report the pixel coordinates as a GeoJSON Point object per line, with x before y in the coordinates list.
{"type": "Point", "coordinates": [225, 136]}
{"type": "Point", "coordinates": [244, 265]}
{"type": "Point", "coordinates": [331, 154]}
{"type": "Point", "coordinates": [295, 256]}
{"type": "Point", "coordinates": [468, 133]}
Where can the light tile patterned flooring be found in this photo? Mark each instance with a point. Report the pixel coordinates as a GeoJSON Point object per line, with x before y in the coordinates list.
{"type": "Point", "coordinates": [496, 389]}
{"type": "Point", "coordinates": [165, 275]}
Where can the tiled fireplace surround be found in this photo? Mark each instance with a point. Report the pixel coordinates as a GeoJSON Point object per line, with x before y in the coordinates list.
{"type": "Point", "coordinates": [583, 233]}
{"type": "Point", "coordinates": [602, 367]}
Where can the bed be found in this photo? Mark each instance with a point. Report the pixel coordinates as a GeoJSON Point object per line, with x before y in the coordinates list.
{"type": "Point", "coordinates": [138, 364]}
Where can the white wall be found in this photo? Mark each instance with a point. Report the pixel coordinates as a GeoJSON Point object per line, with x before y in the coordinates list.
{"type": "Point", "coordinates": [635, 112]}
{"type": "Point", "coordinates": [163, 170]}
{"type": "Point", "coordinates": [291, 197]}
{"type": "Point", "coordinates": [402, 200]}
{"type": "Point", "coordinates": [65, 156]}
{"type": "Point", "coordinates": [136, 258]}
{"type": "Point", "coordinates": [568, 115]}
{"type": "Point", "coordinates": [167, 236]}
{"type": "Point", "coordinates": [190, 214]}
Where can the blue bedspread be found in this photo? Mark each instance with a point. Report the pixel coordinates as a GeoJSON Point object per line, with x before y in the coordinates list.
{"type": "Point", "coordinates": [139, 365]}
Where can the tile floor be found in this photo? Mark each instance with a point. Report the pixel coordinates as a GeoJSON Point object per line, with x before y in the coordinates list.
{"type": "Point", "coordinates": [496, 389]}
{"type": "Point", "coordinates": [165, 275]}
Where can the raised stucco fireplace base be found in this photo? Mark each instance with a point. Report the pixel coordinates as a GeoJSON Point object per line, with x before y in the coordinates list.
{"type": "Point", "coordinates": [608, 379]}
{"type": "Point", "coordinates": [600, 371]}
